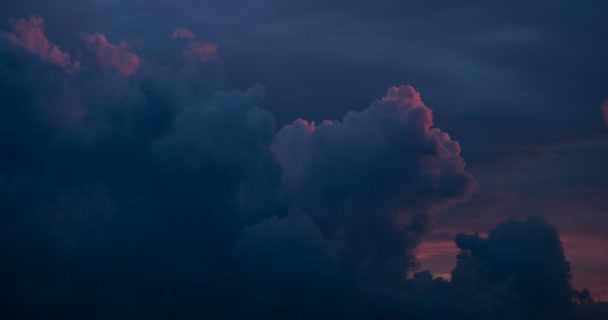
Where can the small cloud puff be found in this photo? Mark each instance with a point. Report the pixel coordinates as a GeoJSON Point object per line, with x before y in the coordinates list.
{"type": "Point", "coordinates": [182, 33]}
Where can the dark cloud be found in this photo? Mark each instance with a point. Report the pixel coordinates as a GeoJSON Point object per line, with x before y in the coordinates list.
{"type": "Point", "coordinates": [519, 270]}
{"type": "Point", "coordinates": [135, 186]}
{"type": "Point", "coordinates": [107, 180]}
{"type": "Point", "coordinates": [292, 245]}
{"type": "Point", "coordinates": [370, 180]}
{"type": "Point", "coordinates": [595, 311]}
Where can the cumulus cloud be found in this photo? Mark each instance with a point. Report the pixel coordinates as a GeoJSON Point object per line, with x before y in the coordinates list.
{"type": "Point", "coordinates": [145, 160]}
{"type": "Point", "coordinates": [370, 180]}
{"type": "Point", "coordinates": [29, 33]}
{"type": "Point", "coordinates": [166, 197]}
{"type": "Point", "coordinates": [518, 271]}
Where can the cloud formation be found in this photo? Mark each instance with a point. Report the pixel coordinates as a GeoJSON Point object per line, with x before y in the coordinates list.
{"type": "Point", "coordinates": [370, 180]}
{"type": "Point", "coordinates": [145, 159]}
{"type": "Point", "coordinates": [160, 196]}
{"type": "Point", "coordinates": [518, 271]}
{"type": "Point", "coordinates": [29, 34]}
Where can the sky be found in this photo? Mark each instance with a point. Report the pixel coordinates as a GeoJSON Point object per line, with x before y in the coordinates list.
{"type": "Point", "coordinates": [303, 159]}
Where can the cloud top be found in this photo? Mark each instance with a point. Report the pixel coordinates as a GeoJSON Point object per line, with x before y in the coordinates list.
{"type": "Point", "coordinates": [29, 34]}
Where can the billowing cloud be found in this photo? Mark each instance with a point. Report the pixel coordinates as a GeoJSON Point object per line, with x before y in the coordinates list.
{"type": "Point", "coordinates": [144, 160]}
{"type": "Point", "coordinates": [519, 270]}
{"type": "Point", "coordinates": [370, 180]}
{"type": "Point", "coordinates": [292, 246]}
{"type": "Point", "coordinates": [166, 197]}
{"type": "Point", "coordinates": [29, 33]}
{"type": "Point", "coordinates": [182, 33]}
{"type": "Point", "coordinates": [118, 56]}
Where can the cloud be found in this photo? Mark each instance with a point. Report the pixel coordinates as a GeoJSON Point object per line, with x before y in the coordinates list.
{"type": "Point", "coordinates": [201, 51]}
{"type": "Point", "coordinates": [146, 159]}
{"type": "Point", "coordinates": [159, 196]}
{"type": "Point", "coordinates": [30, 35]}
{"type": "Point", "coordinates": [291, 246]}
{"type": "Point", "coordinates": [370, 180]}
{"type": "Point", "coordinates": [519, 270]}
{"type": "Point", "coordinates": [118, 56]}
{"type": "Point", "coordinates": [182, 33]}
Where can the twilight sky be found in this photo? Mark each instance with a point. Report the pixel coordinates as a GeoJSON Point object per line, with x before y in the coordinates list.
{"type": "Point", "coordinates": [303, 159]}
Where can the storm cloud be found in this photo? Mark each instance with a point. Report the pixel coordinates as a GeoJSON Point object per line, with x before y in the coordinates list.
{"type": "Point", "coordinates": [139, 186]}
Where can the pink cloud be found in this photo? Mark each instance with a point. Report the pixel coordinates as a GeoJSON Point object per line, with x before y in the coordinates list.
{"type": "Point", "coordinates": [404, 95]}
{"type": "Point", "coordinates": [201, 51]}
{"type": "Point", "coordinates": [197, 51]}
{"type": "Point", "coordinates": [182, 33]}
{"type": "Point", "coordinates": [409, 106]}
{"type": "Point", "coordinates": [430, 249]}
{"type": "Point", "coordinates": [116, 56]}
{"type": "Point", "coordinates": [400, 110]}
{"type": "Point", "coordinates": [30, 35]}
